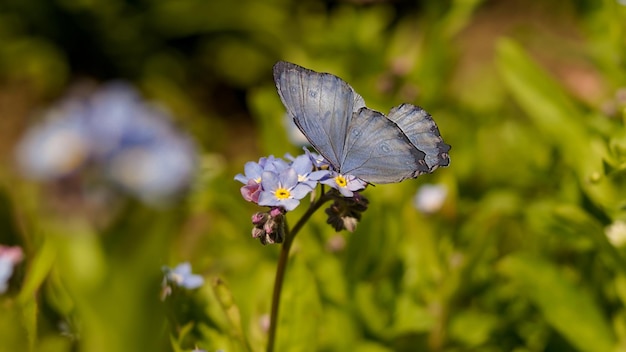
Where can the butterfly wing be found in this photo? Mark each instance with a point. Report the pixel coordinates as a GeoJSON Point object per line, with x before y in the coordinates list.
{"type": "Point", "coordinates": [377, 151]}
{"type": "Point", "coordinates": [422, 131]}
{"type": "Point", "coordinates": [320, 104]}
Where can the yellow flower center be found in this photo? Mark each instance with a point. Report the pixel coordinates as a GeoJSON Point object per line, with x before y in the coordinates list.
{"type": "Point", "coordinates": [257, 180]}
{"type": "Point", "coordinates": [282, 193]}
{"type": "Point", "coordinates": [341, 181]}
{"type": "Point", "coordinates": [302, 178]}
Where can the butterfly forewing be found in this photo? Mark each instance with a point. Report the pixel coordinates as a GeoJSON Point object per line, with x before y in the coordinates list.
{"type": "Point", "coordinates": [422, 131]}
{"type": "Point", "coordinates": [320, 104]}
{"type": "Point", "coordinates": [377, 151]}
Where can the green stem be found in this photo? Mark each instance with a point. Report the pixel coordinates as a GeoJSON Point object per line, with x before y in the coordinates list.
{"type": "Point", "coordinates": [282, 266]}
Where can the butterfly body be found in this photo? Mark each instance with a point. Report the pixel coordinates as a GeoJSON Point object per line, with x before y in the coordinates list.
{"type": "Point", "coordinates": [354, 139]}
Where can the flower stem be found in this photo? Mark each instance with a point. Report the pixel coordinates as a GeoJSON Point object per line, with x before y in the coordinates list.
{"type": "Point", "coordinates": [282, 266]}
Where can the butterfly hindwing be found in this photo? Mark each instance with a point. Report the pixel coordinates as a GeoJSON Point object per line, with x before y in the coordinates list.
{"type": "Point", "coordinates": [422, 131]}
{"type": "Point", "coordinates": [377, 151]}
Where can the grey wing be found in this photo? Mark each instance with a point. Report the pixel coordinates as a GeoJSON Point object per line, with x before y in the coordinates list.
{"type": "Point", "coordinates": [377, 151]}
{"type": "Point", "coordinates": [422, 131]}
{"type": "Point", "coordinates": [320, 104]}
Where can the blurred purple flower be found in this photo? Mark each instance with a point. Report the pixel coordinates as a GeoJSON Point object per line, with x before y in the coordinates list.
{"type": "Point", "coordinates": [345, 184]}
{"type": "Point", "coordinates": [282, 189]}
{"type": "Point", "coordinates": [9, 257]}
{"type": "Point", "coordinates": [113, 133]}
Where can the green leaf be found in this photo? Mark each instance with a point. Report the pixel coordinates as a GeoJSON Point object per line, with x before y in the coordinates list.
{"type": "Point", "coordinates": [40, 268]}
{"type": "Point", "coordinates": [300, 310]}
{"type": "Point", "coordinates": [473, 327]}
{"type": "Point", "coordinates": [568, 308]}
{"type": "Point", "coordinates": [543, 100]}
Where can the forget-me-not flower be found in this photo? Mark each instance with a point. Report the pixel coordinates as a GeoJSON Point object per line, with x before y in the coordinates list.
{"type": "Point", "coordinates": [345, 184]}
{"type": "Point", "coordinates": [282, 189]}
{"type": "Point", "coordinates": [304, 169]}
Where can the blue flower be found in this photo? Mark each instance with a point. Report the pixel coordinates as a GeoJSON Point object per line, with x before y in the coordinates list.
{"type": "Point", "coordinates": [304, 169]}
{"type": "Point", "coordinates": [345, 184]}
{"type": "Point", "coordinates": [181, 276]}
{"type": "Point", "coordinates": [9, 257]}
{"type": "Point", "coordinates": [282, 189]}
{"type": "Point", "coordinates": [252, 171]}
{"type": "Point", "coordinates": [114, 134]}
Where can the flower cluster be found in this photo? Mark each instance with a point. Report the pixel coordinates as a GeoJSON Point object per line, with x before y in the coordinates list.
{"type": "Point", "coordinates": [113, 136]}
{"type": "Point", "coordinates": [281, 184]}
{"type": "Point", "coordinates": [9, 258]}
{"type": "Point", "coordinates": [345, 213]}
{"type": "Point", "coordinates": [269, 227]}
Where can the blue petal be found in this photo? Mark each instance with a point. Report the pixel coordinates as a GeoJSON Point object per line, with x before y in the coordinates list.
{"type": "Point", "coordinates": [182, 268]}
{"type": "Point", "coordinates": [269, 181]}
{"type": "Point", "coordinates": [192, 281]}
{"type": "Point", "coordinates": [252, 170]}
{"type": "Point", "coordinates": [289, 204]}
{"type": "Point", "coordinates": [302, 164]}
{"type": "Point", "coordinates": [267, 198]}
{"type": "Point", "coordinates": [288, 178]}
{"type": "Point", "coordinates": [300, 190]}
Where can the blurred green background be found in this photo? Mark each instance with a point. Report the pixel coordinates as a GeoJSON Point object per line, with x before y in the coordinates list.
{"type": "Point", "coordinates": [527, 252]}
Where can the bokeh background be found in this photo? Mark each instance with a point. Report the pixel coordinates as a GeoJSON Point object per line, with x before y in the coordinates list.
{"type": "Point", "coordinates": [526, 252]}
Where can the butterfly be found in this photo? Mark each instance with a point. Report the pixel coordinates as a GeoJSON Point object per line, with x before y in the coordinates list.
{"type": "Point", "coordinates": [354, 139]}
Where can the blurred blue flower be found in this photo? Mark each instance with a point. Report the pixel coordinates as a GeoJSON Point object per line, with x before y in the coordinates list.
{"type": "Point", "coordinates": [113, 133]}
{"type": "Point", "coordinates": [345, 184]}
{"type": "Point", "coordinates": [282, 189]}
{"type": "Point", "coordinates": [181, 276]}
{"type": "Point", "coordinates": [430, 198]}
{"type": "Point", "coordinates": [9, 257]}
